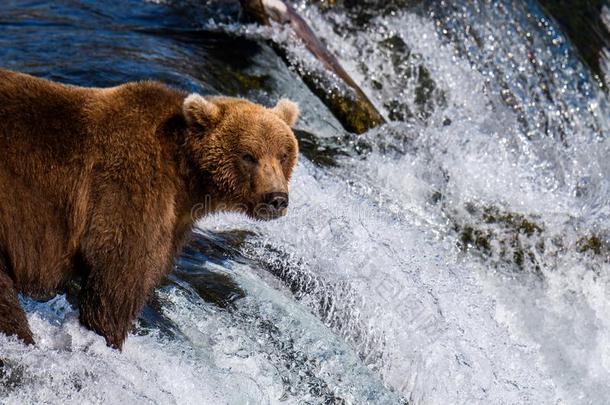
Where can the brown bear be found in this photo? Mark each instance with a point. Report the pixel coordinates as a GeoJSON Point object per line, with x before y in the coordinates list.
{"type": "Point", "coordinates": [104, 184]}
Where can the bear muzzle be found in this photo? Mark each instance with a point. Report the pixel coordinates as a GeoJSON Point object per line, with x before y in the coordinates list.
{"type": "Point", "coordinates": [273, 205]}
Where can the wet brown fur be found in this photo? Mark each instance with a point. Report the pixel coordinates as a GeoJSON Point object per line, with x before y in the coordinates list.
{"type": "Point", "coordinates": [104, 185]}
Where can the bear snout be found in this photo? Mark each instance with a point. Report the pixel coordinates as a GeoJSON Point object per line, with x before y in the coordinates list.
{"type": "Point", "coordinates": [277, 201]}
{"type": "Point", "coordinates": [273, 205]}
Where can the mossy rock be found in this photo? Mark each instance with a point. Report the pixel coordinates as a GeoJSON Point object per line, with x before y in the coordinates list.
{"type": "Point", "coordinates": [509, 238]}
{"type": "Point", "coordinates": [514, 221]}
{"type": "Point", "coordinates": [596, 245]}
{"type": "Point", "coordinates": [516, 240]}
{"type": "Point", "coordinates": [345, 99]}
{"type": "Point", "coordinates": [351, 108]}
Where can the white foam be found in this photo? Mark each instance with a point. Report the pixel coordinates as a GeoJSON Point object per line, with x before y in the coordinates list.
{"type": "Point", "coordinates": [505, 338]}
{"type": "Point", "coordinates": [375, 257]}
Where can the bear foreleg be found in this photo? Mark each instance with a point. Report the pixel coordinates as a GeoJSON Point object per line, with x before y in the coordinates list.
{"type": "Point", "coordinates": [13, 320]}
{"type": "Point", "coordinates": [126, 257]}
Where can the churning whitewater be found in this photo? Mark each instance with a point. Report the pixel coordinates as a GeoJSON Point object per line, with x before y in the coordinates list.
{"type": "Point", "coordinates": [458, 254]}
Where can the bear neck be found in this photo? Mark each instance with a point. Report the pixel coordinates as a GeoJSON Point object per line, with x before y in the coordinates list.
{"type": "Point", "coordinates": [192, 185]}
{"type": "Point", "coordinates": [199, 190]}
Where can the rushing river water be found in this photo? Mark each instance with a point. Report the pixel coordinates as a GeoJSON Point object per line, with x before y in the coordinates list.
{"type": "Point", "coordinates": [459, 254]}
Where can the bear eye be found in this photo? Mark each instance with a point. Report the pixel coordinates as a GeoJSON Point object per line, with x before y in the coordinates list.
{"type": "Point", "coordinates": [284, 157]}
{"type": "Point", "coordinates": [249, 158]}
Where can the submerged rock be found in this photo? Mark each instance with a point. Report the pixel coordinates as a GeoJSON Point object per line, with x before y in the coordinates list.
{"type": "Point", "coordinates": [507, 238]}
{"type": "Point", "coordinates": [192, 270]}
{"type": "Point", "coordinates": [518, 241]}
{"type": "Point", "coordinates": [11, 376]}
{"type": "Point", "coordinates": [321, 151]}
{"type": "Point", "coordinates": [595, 244]}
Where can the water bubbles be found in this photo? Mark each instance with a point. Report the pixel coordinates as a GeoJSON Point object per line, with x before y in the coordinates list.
{"type": "Point", "coordinates": [456, 255]}
{"type": "Point", "coordinates": [518, 141]}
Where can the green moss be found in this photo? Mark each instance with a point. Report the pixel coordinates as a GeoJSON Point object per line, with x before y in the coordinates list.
{"type": "Point", "coordinates": [475, 238]}
{"type": "Point", "coordinates": [355, 114]}
{"type": "Point", "coordinates": [519, 257]}
{"type": "Point", "coordinates": [500, 235]}
{"type": "Point", "coordinates": [593, 244]}
{"type": "Point", "coordinates": [513, 221]}
{"type": "Point", "coordinates": [516, 240]}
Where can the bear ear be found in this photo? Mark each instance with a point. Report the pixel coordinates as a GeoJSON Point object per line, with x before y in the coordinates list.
{"type": "Point", "coordinates": [198, 110]}
{"type": "Point", "coordinates": [287, 111]}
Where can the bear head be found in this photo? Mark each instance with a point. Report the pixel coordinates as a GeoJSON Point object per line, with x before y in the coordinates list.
{"type": "Point", "coordinates": [246, 151]}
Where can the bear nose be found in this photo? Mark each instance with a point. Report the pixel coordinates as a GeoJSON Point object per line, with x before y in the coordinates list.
{"type": "Point", "coordinates": [277, 201]}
